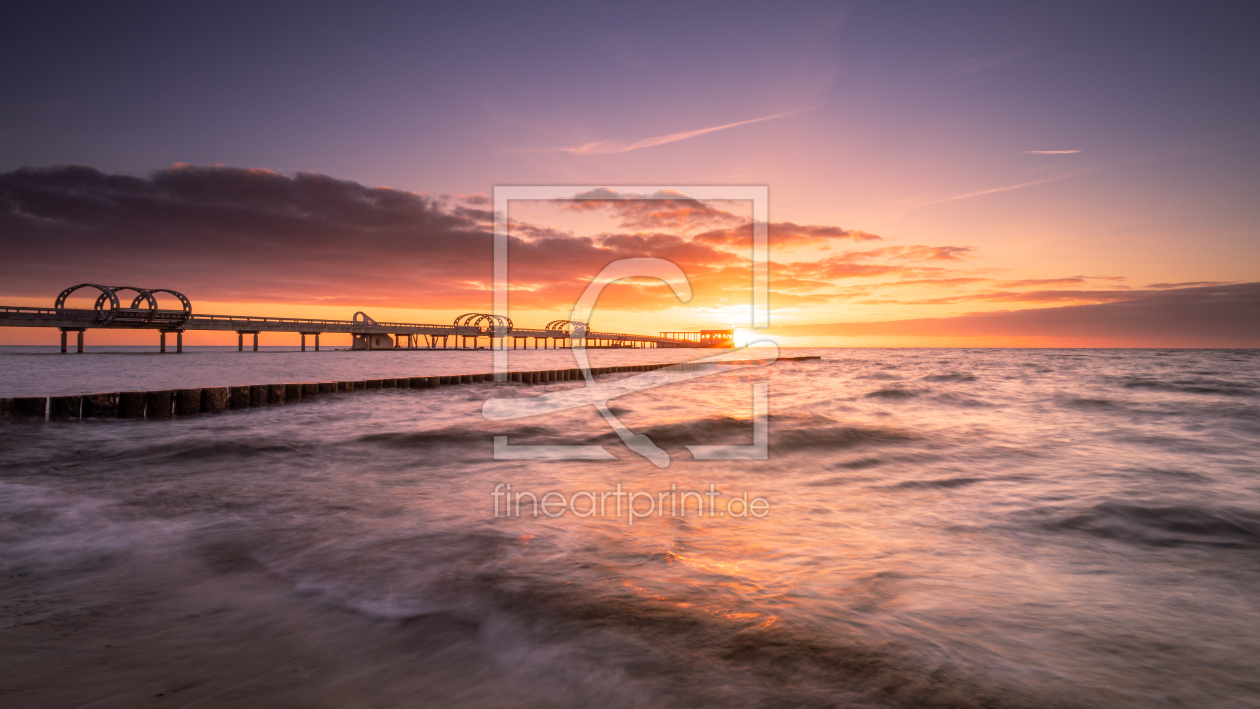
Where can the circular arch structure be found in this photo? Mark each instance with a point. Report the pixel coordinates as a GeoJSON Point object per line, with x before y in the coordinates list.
{"type": "Point", "coordinates": [140, 295]}
{"type": "Point", "coordinates": [567, 326]}
{"type": "Point", "coordinates": [492, 325]}
{"type": "Point", "coordinates": [183, 299]}
{"type": "Point", "coordinates": [106, 292]}
{"type": "Point", "coordinates": [109, 295]}
{"type": "Point", "coordinates": [362, 318]}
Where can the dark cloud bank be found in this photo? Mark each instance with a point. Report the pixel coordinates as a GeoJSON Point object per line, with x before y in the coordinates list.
{"type": "Point", "coordinates": [234, 235]}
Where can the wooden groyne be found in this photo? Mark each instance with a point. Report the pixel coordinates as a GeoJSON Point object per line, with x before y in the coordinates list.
{"type": "Point", "coordinates": [170, 403]}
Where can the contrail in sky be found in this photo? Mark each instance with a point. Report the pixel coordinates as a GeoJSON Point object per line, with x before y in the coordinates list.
{"type": "Point", "coordinates": [605, 147]}
{"type": "Point", "coordinates": [1075, 173]}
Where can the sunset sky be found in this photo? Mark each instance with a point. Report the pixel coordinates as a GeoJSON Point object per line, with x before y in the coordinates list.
{"type": "Point", "coordinates": [970, 174]}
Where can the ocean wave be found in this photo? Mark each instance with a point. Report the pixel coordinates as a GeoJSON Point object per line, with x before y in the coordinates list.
{"type": "Point", "coordinates": [1091, 403]}
{"type": "Point", "coordinates": [956, 377]}
{"type": "Point", "coordinates": [209, 449]}
{"type": "Point", "coordinates": [1192, 386]}
{"type": "Point", "coordinates": [834, 482]}
{"type": "Point", "coordinates": [1164, 525]}
{"type": "Point", "coordinates": [859, 464]}
{"type": "Point", "coordinates": [942, 483]}
{"type": "Point", "coordinates": [708, 430]}
{"type": "Point", "coordinates": [42, 531]}
{"type": "Point", "coordinates": [676, 650]}
{"type": "Point", "coordinates": [462, 436]}
{"type": "Point", "coordinates": [835, 437]}
{"type": "Point", "coordinates": [957, 399]}
{"type": "Point", "coordinates": [692, 648]}
{"type": "Point", "coordinates": [894, 393]}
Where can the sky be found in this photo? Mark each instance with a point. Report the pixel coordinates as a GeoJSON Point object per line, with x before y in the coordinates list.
{"type": "Point", "coordinates": [962, 174]}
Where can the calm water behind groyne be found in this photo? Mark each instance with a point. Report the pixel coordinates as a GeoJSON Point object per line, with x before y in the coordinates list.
{"type": "Point", "coordinates": [987, 528]}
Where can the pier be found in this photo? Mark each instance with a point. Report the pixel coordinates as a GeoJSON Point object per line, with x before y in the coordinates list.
{"type": "Point", "coordinates": [468, 331]}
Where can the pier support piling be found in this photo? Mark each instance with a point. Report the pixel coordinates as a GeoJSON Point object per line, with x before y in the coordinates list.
{"type": "Point", "coordinates": [78, 332]}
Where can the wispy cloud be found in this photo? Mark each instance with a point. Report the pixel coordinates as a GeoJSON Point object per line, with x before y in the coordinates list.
{"type": "Point", "coordinates": [1008, 188]}
{"type": "Point", "coordinates": [1051, 152]}
{"type": "Point", "coordinates": [606, 147]}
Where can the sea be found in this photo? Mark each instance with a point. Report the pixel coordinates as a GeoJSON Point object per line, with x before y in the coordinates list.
{"type": "Point", "coordinates": [925, 528]}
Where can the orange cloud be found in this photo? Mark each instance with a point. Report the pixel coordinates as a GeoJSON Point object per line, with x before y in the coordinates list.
{"type": "Point", "coordinates": [1042, 296]}
{"type": "Point", "coordinates": [785, 235]}
{"type": "Point", "coordinates": [663, 210]}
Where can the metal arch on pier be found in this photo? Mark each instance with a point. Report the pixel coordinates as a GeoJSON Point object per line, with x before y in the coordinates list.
{"type": "Point", "coordinates": [109, 294]}
{"type": "Point", "coordinates": [183, 299]}
{"type": "Point", "coordinates": [141, 294]}
{"type": "Point", "coordinates": [568, 327]}
{"type": "Point", "coordinates": [106, 293]}
{"type": "Point", "coordinates": [501, 325]}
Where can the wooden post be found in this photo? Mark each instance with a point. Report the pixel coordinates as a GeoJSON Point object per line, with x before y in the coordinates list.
{"type": "Point", "coordinates": [317, 342]}
{"type": "Point", "coordinates": [63, 342]}
{"type": "Point", "coordinates": [162, 336]}
{"type": "Point", "coordinates": [80, 342]}
{"type": "Point", "coordinates": [179, 341]}
{"type": "Point", "coordinates": [240, 341]}
{"type": "Point", "coordinates": [303, 336]}
{"type": "Point", "coordinates": [255, 342]}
